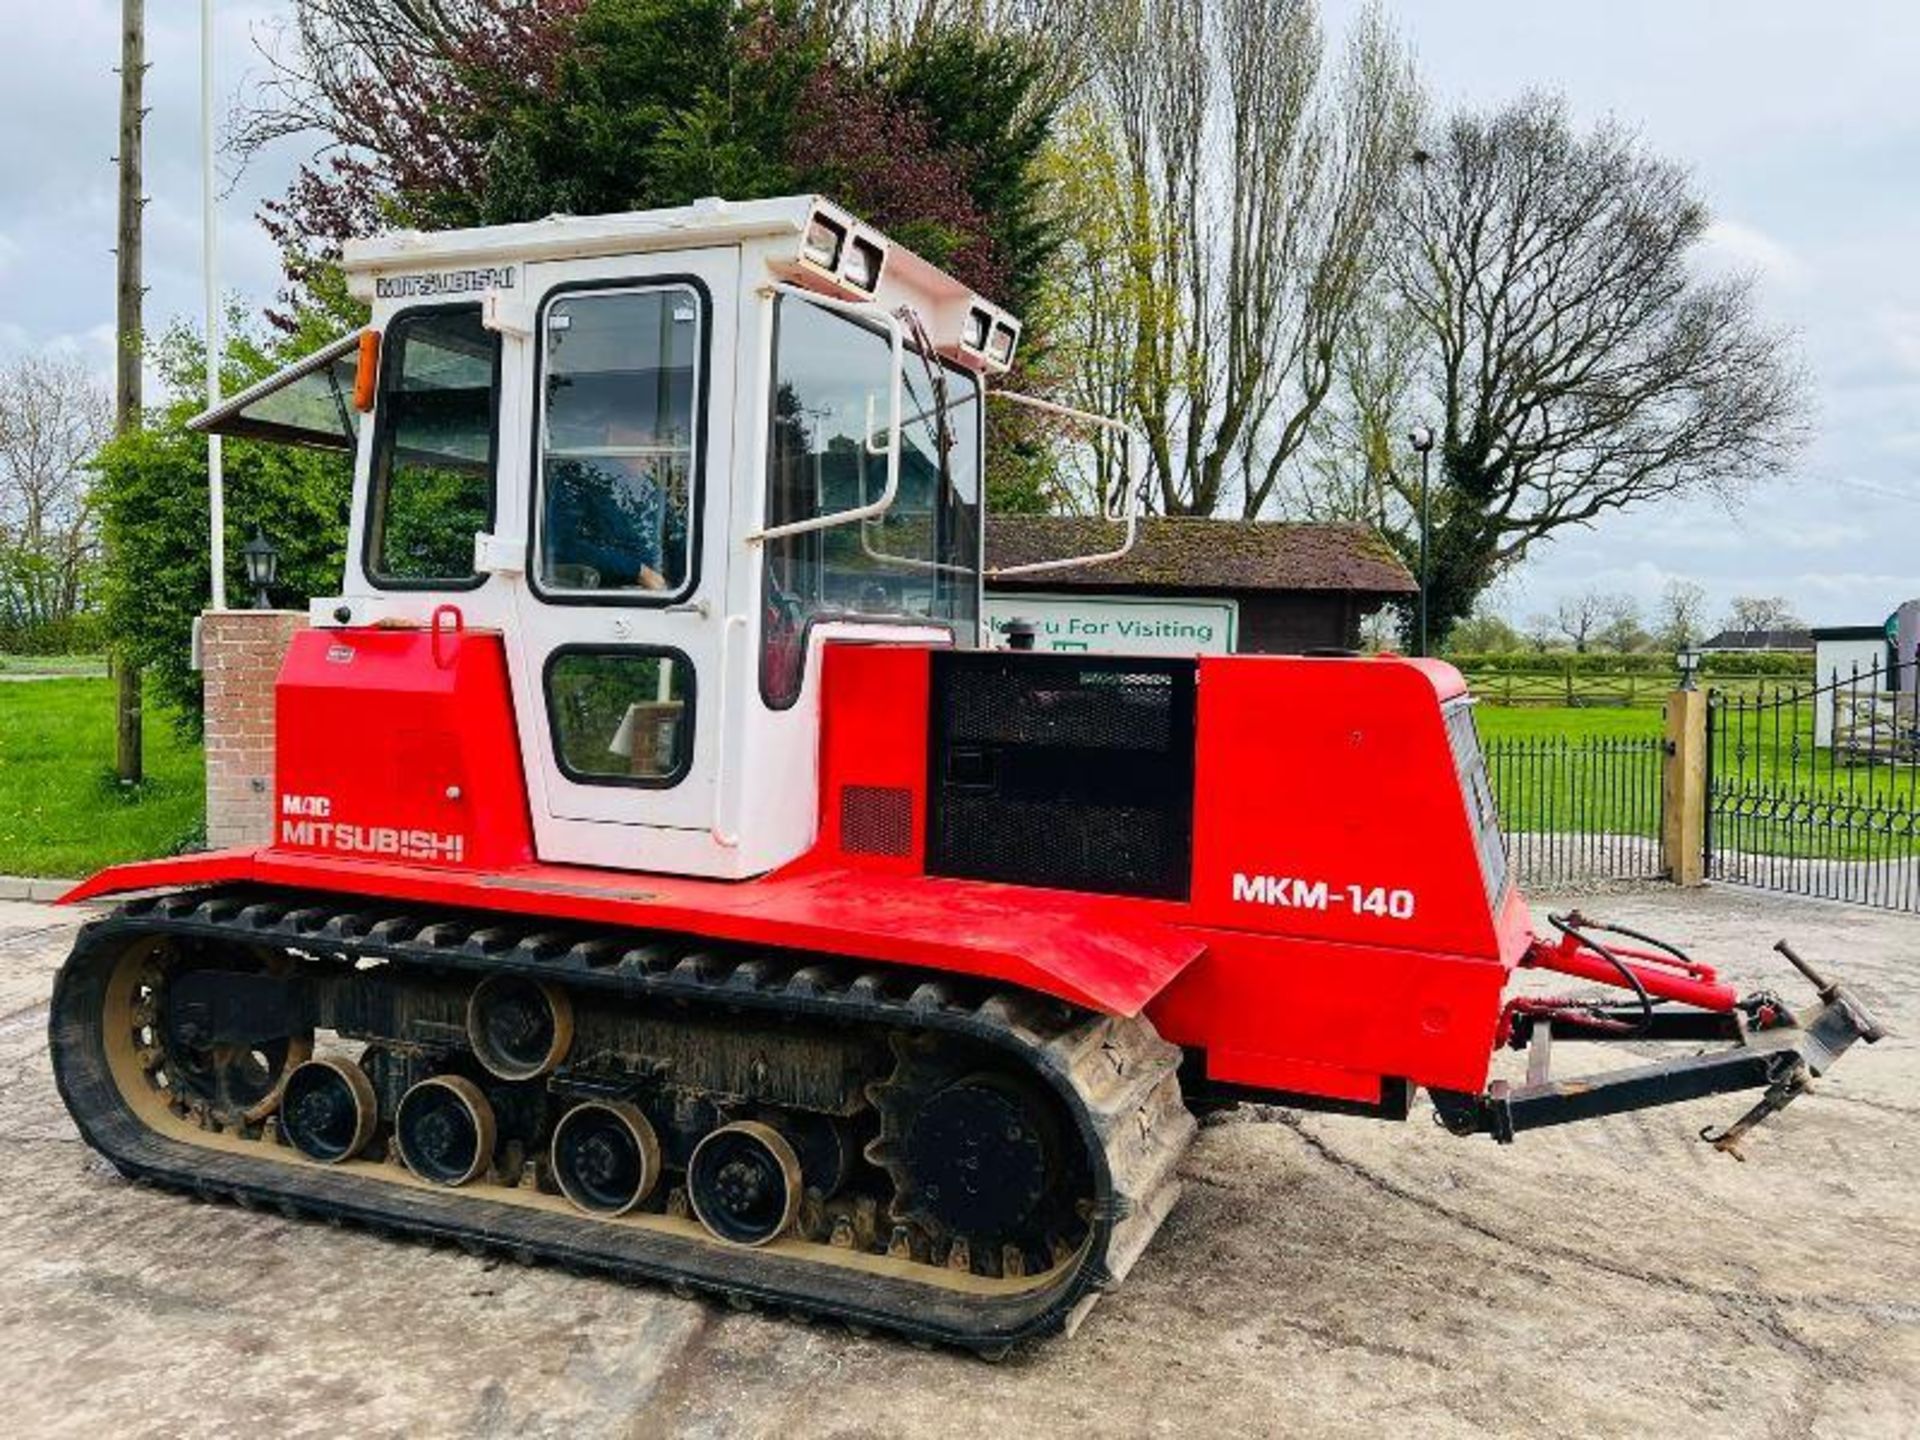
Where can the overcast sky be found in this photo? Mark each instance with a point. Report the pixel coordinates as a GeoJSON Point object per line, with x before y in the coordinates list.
{"type": "Point", "coordinates": [1801, 123]}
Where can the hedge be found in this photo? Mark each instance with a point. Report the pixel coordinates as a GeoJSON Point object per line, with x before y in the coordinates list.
{"type": "Point", "coordinates": [73, 635]}
{"type": "Point", "coordinates": [1522, 662]}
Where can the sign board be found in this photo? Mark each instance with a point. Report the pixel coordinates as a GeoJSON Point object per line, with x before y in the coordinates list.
{"type": "Point", "coordinates": [1120, 625]}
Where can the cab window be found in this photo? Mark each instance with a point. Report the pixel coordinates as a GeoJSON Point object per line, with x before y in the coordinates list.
{"type": "Point", "coordinates": [432, 476]}
{"type": "Point", "coordinates": [827, 452]}
{"type": "Point", "coordinates": [621, 716]}
{"type": "Point", "coordinates": [619, 382]}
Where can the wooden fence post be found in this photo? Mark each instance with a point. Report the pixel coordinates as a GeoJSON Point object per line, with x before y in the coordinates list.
{"type": "Point", "coordinates": [1683, 788]}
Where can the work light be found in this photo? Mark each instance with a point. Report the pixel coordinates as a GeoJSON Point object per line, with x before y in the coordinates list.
{"type": "Point", "coordinates": [979, 322]}
{"type": "Point", "coordinates": [863, 265]}
{"type": "Point", "coordinates": [823, 242]}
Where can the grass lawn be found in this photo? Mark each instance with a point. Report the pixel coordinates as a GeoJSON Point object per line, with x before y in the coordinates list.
{"type": "Point", "coordinates": [1561, 769]}
{"type": "Point", "coordinates": [61, 810]}
{"type": "Point", "coordinates": [1573, 769]}
{"type": "Point", "coordinates": [1542, 722]}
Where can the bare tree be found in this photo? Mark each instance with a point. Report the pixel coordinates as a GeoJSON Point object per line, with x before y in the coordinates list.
{"type": "Point", "coordinates": [1578, 616]}
{"type": "Point", "coordinates": [1762, 612]}
{"type": "Point", "coordinates": [1599, 617]}
{"type": "Point", "coordinates": [877, 27]}
{"type": "Point", "coordinates": [1250, 194]}
{"type": "Point", "coordinates": [1573, 361]}
{"type": "Point", "coordinates": [335, 67]}
{"type": "Point", "coordinates": [1682, 615]}
{"type": "Point", "coordinates": [53, 416]}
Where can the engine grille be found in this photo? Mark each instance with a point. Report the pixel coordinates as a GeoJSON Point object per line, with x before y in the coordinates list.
{"type": "Point", "coordinates": [1059, 771]}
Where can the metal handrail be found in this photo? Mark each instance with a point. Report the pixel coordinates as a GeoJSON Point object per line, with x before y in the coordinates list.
{"type": "Point", "coordinates": [859, 310]}
{"type": "Point", "coordinates": [1137, 446]}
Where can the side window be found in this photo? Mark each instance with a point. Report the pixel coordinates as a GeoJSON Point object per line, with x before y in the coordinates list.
{"type": "Point", "coordinates": [826, 453]}
{"type": "Point", "coordinates": [619, 400]}
{"type": "Point", "coordinates": [433, 455]}
{"type": "Point", "coordinates": [621, 717]}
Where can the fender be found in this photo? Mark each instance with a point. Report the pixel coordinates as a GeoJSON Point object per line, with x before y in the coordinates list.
{"type": "Point", "coordinates": [1085, 949]}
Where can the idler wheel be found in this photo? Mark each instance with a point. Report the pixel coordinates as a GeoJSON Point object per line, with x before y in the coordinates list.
{"type": "Point", "coordinates": [445, 1129]}
{"type": "Point", "coordinates": [519, 1028]}
{"type": "Point", "coordinates": [744, 1182]}
{"type": "Point", "coordinates": [328, 1110]}
{"type": "Point", "coordinates": [606, 1157]}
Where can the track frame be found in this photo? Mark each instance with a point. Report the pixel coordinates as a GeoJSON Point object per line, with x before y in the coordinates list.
{"type": "Point", "coordinates": [1116, 1080]}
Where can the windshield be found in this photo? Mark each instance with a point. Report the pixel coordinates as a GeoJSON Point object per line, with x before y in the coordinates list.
{"type": "Point", "coordinates": [827, 453]}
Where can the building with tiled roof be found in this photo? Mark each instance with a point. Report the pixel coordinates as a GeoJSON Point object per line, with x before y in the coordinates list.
{"type": "Point", "coordinates": [1291, 586]}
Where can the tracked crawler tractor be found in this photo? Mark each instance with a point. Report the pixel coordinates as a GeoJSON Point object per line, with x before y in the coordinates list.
{"type": "Point", "coordinates": [670, 879]}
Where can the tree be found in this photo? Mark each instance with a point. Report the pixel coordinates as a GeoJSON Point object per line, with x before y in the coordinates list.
{"type": "Point", "coordinates": [1577, 617]}
{"type": "Point", "coordinates": [1248, 205]}
{"type": "Point", "coordinates": [1620, 628]}
{"type": "Point", "coordinates": [53, 416]}
{"type": "Point", "coordinates": [1599, 617]}
{"type": "Point", "coordinates": [926, 119]}
{"type": "Point", "coordinates": [470, 112]}
{"type": "Point", "coordinates": [1680, 620]}
{"type": "Point", "coordinates": [1762, 612]}
{"type": "Point", "coordinates": [151, 486]}
{"type": "Point", "coordinates": [1573, 359]}
{"type": "Point", "coordinates": [1484, 632]}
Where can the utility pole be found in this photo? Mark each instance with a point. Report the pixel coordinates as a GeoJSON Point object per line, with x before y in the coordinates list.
{"type": "Point", "coordinates": [128, 761]}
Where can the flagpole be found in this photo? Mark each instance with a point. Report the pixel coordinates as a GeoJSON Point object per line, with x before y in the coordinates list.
{"type": "Point", "coordinates": [209, 197]}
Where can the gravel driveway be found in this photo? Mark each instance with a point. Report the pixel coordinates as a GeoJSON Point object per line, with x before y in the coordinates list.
{"type": "Point", "coordinates": [1321, 1276]}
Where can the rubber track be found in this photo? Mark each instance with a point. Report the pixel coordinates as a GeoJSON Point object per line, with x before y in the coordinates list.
{"type": "Point", "coordinates": [1117, 1079]}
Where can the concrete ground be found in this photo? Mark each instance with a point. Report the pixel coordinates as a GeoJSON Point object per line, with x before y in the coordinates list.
{"type": "Point", "coordinates": [1321, 1276]}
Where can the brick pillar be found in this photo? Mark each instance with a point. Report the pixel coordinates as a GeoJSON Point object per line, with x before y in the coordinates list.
{"type": "Point", "coordinates": [240, 655]}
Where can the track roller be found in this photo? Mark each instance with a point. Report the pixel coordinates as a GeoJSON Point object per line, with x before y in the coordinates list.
{"type": "Point", "coordinates": [519, 1028]}
{"type": "Point", "coordinates": [328, 1110]}
{"type": "Point", "coordinates": [744, 1182]}
{"type": "Point", "coordinates": [445, 1129]}
{"type": "Point", "coordinates": [606, 1157]}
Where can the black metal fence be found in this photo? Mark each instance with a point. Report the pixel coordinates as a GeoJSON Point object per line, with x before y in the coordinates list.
{"type": "Point", "coordinates": [1580, 809]}
{"type": "Point", "coordinates": [1814, 787]}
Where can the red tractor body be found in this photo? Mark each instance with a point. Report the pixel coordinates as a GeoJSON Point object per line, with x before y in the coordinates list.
{"type": "Point", "coordinates": [1340, 925]}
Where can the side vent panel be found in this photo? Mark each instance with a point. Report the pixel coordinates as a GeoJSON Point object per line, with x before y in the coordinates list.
{"type": "Point", "coordinates": [876, 820]}
{"type": "Point", "coordinates": [1063, 771]}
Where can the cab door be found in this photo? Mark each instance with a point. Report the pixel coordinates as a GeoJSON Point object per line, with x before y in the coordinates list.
{"type": "Point", "coordinates": [621, 607]}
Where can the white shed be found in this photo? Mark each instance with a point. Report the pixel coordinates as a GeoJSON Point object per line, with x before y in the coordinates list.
{"type": "Point", "coordinates": [1840, 652]}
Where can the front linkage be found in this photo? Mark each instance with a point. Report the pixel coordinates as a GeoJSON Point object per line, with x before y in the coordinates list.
{"type": "Point", "coordinates": [1675, 999]}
